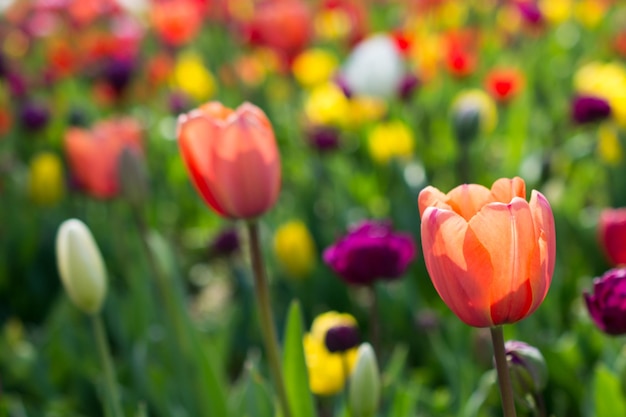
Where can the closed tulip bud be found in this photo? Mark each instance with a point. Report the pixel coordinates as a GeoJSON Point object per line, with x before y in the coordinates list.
{"type": "Point", "coordinates": [133, 176]}
{"type": "Point", "coordinates": [364, 390]}
{"type": "Point", "coordinates": [529, 373]}
{"type": "Point", "coordinates": [612, 233]}
{"type": "Point", "coordinates": [81, 267]}
{"type": "Point", "coordinates": [232, 158]}
{"type": "Point", "coordinates": [473, 112]}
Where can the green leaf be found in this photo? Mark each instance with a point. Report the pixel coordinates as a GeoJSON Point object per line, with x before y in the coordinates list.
{"type": "Point", "coordinates": [252, 397]}
{"type": "Point", "coordinates": [607, 393]}
{"type": "Point", "coordinates": [294, 366]}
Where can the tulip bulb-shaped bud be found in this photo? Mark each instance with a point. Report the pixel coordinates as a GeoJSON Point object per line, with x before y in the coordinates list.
{"type": "Point", "coordinates": [473, 112]}
{"type": "Point", "coordinates": [81, 267]}
{"type": "Point", "coordinates": [364, 391]}
{"type": "Point", "coordinates": [133, 176]}
{"type": "Point", "coordinates": [528, 370]}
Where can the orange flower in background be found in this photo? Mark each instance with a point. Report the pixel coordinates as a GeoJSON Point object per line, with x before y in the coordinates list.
{"type": "Point", "coordinates": [293, 17]}
{"type": "Point", "coordinates": [232, 158]}
{"type": "Point", "coordinates": [461, 56]}
{"type": "Point", "coordinates": [93, 154]}
{"type": "Point", "coordinates": [176, 21]}
{"type": "Point", "coordinates": [489, 252]}
{"type": "Point", "coordinates": [503, 84]}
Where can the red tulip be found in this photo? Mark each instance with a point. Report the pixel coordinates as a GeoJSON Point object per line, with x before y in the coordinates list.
{"type": "Point", "coordinates": [490, 253]}
{"type": "Point", "coordinates": [504, 83]}
{"type": "Point", "coordinates": [93, 154]}
{"type": "Point", "coordinates": [232, 158]}
{"type": "Point", "coordinates": [613, 234]}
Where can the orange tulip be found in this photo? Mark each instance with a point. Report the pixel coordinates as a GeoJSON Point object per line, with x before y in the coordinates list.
{"type": "Point", "coordinates": [489, 253]}
{"type": "Point", "coordinates": [93, 154]}
{"type": "Point", "coordinates": [232, 158]}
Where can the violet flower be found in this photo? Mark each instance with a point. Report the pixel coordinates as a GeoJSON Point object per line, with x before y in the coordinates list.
{"type": "Point", "coordinates": [369, 252]}
{"type": "Point", "coordinates": [607, 303]}
{"type": "Point", "coordinates": [588, 109]}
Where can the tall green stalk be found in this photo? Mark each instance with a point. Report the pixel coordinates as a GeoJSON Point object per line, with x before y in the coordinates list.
{"type": "Point", "coordinates": [266, 319]}
{"type": "Point", "coordinates": [504, 379]}
{"type": "Point", "coordinates": [114, 408]}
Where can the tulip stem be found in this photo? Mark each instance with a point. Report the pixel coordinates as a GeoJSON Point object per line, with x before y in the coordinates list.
{"type": "Point", "coordinates": [268, 329]}
{"type": "Point", "coordinates": [114, 408]}
{"type": "Point", "coordinates": [374, 324]}
{"type": "Point", "coordinates": [504, 379]}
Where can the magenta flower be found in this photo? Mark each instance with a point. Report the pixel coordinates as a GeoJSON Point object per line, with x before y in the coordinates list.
{"type": "Point", "coordinates": [607, 304]}
{"type": "Point", "coordinates": [369, 252]}
{"type": "Point", "coordinates": [588, 109]}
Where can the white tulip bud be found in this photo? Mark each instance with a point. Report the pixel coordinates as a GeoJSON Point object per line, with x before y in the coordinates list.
{"type": "Point", "coordinates": [81, 267]}
{"type": "Point", "coordinates": [364, 389]}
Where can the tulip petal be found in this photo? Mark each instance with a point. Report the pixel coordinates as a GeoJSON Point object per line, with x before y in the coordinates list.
{"type": "Point", "coordinates": [545, 234]}
{"type": "Point", "coordinates": [196, 139]}
{"type": "Point", "coordinates": [430, 196]}
{"type": "Point", "coordinates": [504, 189]}
{"type": "Point", "coordinates": [246, 172]}
{"type": "Point", "coordinates": [467, 199]}
{"type": "Point", "coordinates": [507, 232]}
{"type": "Point", "coordinates": [458, 264]}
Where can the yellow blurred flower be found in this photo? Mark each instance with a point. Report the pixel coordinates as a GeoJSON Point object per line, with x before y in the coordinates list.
{"type": "Point", "coordinates": [556, 11]}
{"type": "Point", "coordinates": [332, 24]}
{"type": "Point", "coordinates": [46, 184]}
{"type": "Point", "coordinates": [590, 12]}
{"type": "Point", "coordinates": [427, 57]}
{"type": "Point", "coordinates": [326, 104]}
{"type": "Point", "coordinates": [364, 109]}
{"type": "Point", "coordinates": [607, 81]}
{"type": "Point", "coordinates": [452, 14]}
{"type": "Point", "coordinates": [390, 140]}
{"type": "Point", "coordinates": [609, 148]}
{"type": "Point", "coordinates": [294, 248]}
{"type": "Point", "coordinates": [481, 101]}
{"type": "Point", "coordinates": [192, 77]}
{"type": "Point", "coordinates": [328, 371]}
{"type": "Point", "coordinates": [314, 66]}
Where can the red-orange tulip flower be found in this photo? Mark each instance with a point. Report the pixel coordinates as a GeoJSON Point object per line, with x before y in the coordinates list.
{"type": "Point", "coordinates": [489, 253]}
{"type": "Point", "coordinates": [93, 154]}
{"type": "Point", "coordinates": [232, 158]}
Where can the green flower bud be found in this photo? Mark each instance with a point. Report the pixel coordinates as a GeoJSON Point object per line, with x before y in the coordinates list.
{"type": "Point", "coordinates": [133, 176]}
{"type": "Point", "coordinates": [529, 373]}
{"type": "Point", "coordinates": [81, 267]}
{"type": "Point", "coordinates": [364, 389]}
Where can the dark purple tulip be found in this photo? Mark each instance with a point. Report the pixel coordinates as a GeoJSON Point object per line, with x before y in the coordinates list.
{"type": "Point", "coordinates": [369, 252]}
{"type": "Point", "coordinates": [324, 138]}
{"type": "Point", "coordinates": [341, 338]}
{"type": "Point", "coordinates": [34, 116]}
{"type": "Point", "coordinates": [225, 243]}
{"type": "Point", "coordinates": [607, 304]}
{"type": "Point", "coordinates": [527, 367]}
{"type": "Point", "coordinates": [179, 102]}
{"type": "Point", "coordinates": [408, 85]}
{"type": "Point", "coordinates": [587, 109]}
{"type": "Point", "coordinates": [530, 12]}
{"type": "Point", "coordinates": [118, 73]}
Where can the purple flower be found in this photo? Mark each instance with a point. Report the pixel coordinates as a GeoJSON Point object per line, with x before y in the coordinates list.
{"type": "Point", "coordinates": [607, 304]}
{"type": "Point", "coordinates": [530, 12]}
{"type": "Point", "coordinates": [369, 252]}
{"type": "Point", "coordinates": [408, 85]}
{"type": "Point", "coordinates": [527, 367]}
{"type": "Point", "coordinates": [587, 109]}
{"type": "Point", "coordinates": [341, 338]}
{"type": "Point", "coordinates": [225, 243]}
{"type": "Point", "coordinates": [118, 73]}
{"type": "Point", "coordinates": [323, 138]}
{"type": "Point", "coordinates": [34, 116]}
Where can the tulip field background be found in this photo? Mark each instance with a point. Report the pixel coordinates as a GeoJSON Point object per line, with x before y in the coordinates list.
{"type": "Point", "coordinates": [474, 91]}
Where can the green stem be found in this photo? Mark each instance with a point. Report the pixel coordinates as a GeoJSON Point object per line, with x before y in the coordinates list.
{"type": "Point", "coordinates": [268, 329]}
{"type": "Point", "coordinates": [374, 322]}
{"type": "Point", "coordinates": [110, 385]}
{"type": "Point", "coordinates": [504, 379]}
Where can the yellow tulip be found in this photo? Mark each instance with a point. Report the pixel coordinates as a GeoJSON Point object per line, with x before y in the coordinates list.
{"type": "Point", "coordinates": [295, 249]}
{"type": "Point", "coordinates": [46, 184]}
{"type": "Point", "coordinates": [326, 105]}
{"type": "Point", "coordinates": [609, 147]}
{"type": "Point", "coordinates": [607, 81]}
{"type": "Point", "coordinates": [192, 77]}
{"type": "Point", "coordinates": [390, 140]}
{"type": "Point", "coordinates": [328, 372]}
{"type": "Point", "coordinates": [314, 66]}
